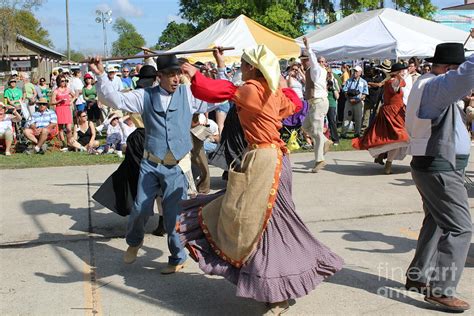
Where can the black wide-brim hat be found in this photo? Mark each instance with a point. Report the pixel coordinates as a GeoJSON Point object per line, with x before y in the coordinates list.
{"type": "Point", "coordinates": [398, 67]}
{"type": "Point", "coordinates": [167, 63]}
{"type": "Point", "coordinates": [147, 76]}
{"type": "Point", "coordinates": [448, 54]}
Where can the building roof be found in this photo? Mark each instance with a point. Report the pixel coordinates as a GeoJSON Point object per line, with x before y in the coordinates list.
{"type": "Point", "coordinates": [468, 6]}
{"type": "Point", "coordinates": [38, 46]}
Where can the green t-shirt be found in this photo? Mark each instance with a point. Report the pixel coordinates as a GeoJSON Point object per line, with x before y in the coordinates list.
{"type": "Point", "coordinates": [332, 100]}
{"type": "Point", "coordinates": [12, 94]}
{"type": "Point", "coordinates": [89, 94]}
{"type": "Point", "coordinates": [29, 90]}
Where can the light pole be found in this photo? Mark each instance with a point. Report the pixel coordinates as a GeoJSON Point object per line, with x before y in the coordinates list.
{"type": "Point", "coordinates": [104, 17]}
{"type": "Point", "coordinates": [67, 32]}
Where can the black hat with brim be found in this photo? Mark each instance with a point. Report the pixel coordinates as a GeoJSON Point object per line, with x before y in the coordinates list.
{"type": "Point", "coordinates": [398, 67]}
{"type": "Point", "coordinates": [448, 54]}
{"type": "Point", "coordinates": [167, 63]}
{"type": "Point", "coordinates": [147, 76]}
{"type": "Point", "coordinates": [145, 83]}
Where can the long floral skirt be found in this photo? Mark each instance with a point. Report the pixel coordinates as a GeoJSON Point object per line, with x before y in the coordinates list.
{"type": "Point", "coordinates": [288, 262]}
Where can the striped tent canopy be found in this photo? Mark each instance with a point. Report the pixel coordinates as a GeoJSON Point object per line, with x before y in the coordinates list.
{"type": "Point", "coordinates": [241, 32]}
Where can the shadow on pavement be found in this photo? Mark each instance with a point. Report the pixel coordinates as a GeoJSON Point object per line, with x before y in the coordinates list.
{"type": "Point", "coordinates": [107, 224]}
{"type": "Point", "coordinates": [182, 293]}
{"type": "Point", "coordinates": [399, 244]}
{"type": "Point", "coordinates": [376, 284]}
{"type": "Point", "coordinates": [404, 182]}
{"type": "Point", "coordinates": [356, 168]}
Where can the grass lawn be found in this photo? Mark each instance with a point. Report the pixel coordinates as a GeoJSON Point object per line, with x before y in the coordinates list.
{"type": "Point", "coordinates": [55, 159]}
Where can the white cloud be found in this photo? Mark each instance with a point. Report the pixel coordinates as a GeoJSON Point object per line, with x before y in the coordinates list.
{"type": "Point", "coordinates": [125, 8]}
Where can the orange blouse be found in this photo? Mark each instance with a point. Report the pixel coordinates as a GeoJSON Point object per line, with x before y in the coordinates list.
{"type": "Point", "coordinates": [260, 111]}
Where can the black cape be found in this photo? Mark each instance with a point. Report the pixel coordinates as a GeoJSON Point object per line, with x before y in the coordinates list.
{"type": "Point", "coordinates": [232, 142]}
{"type": "Point", "coordinates": [118, 192]}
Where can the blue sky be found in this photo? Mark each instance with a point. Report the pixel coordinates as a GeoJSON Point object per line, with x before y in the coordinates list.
{"type": "Point", "coordinates": [150, 17]}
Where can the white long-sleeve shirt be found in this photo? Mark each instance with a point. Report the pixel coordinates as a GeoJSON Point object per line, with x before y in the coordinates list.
{"type": "Point", "coordinates": [133, 101]}
{"type": "Point", "coordinates": [318, 75]}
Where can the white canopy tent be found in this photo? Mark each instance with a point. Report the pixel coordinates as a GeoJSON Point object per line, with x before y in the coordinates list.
{"type": "Point", "coordinates": [384, 33]}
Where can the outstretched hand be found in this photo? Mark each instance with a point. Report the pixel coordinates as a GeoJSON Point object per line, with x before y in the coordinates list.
{"type": "Point", "coordinates": [188, 69]}
{"type": "Point", "coordinates": [96, 66]}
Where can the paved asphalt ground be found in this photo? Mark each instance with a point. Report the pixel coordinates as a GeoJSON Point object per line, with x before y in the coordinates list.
{"type": "Point", "coordinates": [61, 253]}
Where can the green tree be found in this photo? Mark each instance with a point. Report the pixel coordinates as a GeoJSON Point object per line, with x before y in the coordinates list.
{"type": "Point", "coordinates": [129, 39]}
{"type": "Point", "coordinates": [30, 27]}
{"type": "Point", "coordinates": [422, 8]}
{"type": "Point", "coordinates": [9, 24]}
{"type": "Point", "coordinates": [270, 13]}
{"type": "Point", "coordinates": [278, 19]}
{"type": "Point", "coordinates": [175, 34]}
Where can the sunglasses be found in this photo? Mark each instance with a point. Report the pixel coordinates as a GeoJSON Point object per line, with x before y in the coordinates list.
{"type": "Point", "coordinates": [125, 71]}
{"type": "Point", "coordinates": [83, 115]}
{"type": "Point", "coordinates": [64, 81]}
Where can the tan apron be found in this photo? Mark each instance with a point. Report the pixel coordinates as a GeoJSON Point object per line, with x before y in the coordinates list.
{"type": "Point", "coordinates": [234, 223]}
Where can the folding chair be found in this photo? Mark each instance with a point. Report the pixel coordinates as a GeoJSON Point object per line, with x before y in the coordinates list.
{"type": "Point", "coordinates": [295, 122]}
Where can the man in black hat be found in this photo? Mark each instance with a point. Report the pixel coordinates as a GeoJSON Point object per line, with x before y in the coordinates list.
{"type": "Point", "coordinates": [146, 77]}
{"type": "Point", "coordinates": [166, 111]}
{"type": "Point", "coordinates": [440, 146]}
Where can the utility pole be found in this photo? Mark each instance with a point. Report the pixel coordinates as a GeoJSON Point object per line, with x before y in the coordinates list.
{"type": "Point", "coordinates": [67, 31]}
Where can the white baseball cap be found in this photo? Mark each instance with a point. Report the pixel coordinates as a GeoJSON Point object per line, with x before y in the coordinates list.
{"type": "Point", "coordinates": [111, 68]}
{"type": "Point", "coordinates": [358, 68]}
{"type": "Point", "coordinates": [14, 72]}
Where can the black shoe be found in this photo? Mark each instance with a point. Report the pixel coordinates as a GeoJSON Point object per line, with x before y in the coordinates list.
{"type": "Point", "coordinates": [160, 229]}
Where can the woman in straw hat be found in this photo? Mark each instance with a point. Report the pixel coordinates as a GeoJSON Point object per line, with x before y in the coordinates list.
{"type": "Point", "coordinates": [249, 233]}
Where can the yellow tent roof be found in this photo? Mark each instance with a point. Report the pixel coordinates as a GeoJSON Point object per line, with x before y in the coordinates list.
{"type": "Point", "coordinates": [241, 32]}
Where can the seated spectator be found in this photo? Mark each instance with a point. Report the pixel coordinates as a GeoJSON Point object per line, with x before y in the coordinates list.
{"type": "Point", "coordinates": [84, 134]}
{"type": "Point", "coordinates": [13, 95]}
{"type": "Point", "coordinates": [128, 127]}
{"type": "Point", "coordinates": [42, 126]}
{"type": "Point", "coordinates": [114, 140]}
{"type": "Point", "coordinates": [6, 127]}
{"type": "Point", "coordinates": [212, 141]}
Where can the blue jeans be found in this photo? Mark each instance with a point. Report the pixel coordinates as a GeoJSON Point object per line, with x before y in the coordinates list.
{"type": "Point", "coordinates": [173, 184]}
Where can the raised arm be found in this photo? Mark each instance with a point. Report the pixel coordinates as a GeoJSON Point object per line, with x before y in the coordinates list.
{"type": "Point", "coordinates": [131, 101]}
{"type": "Point", "coordinates": [206, 89]}
{"type": "Point", "coordinates": [315, 70]}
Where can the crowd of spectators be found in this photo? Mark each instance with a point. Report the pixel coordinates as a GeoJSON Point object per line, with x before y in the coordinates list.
{"type": "Point", "coordinates": [66, 106]}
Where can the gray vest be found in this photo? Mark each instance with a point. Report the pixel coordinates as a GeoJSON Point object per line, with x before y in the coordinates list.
{"type": "Point", "coordinates": [167, 131]}
{"type": "Point", "coordinates": [443, 132]}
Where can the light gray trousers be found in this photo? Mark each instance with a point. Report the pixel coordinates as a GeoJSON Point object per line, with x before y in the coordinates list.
{"type": "Point", "coordinates": [446, 233]}
{"type": "Point", "coordinates": [313, 124]}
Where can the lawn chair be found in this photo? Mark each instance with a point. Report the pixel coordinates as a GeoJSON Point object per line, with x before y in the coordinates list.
{"type": "Point", "coordinates": [294, 123]}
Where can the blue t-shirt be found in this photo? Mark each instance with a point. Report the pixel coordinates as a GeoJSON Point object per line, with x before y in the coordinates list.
{"type": "Point", "coordinates": [127, 83]}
